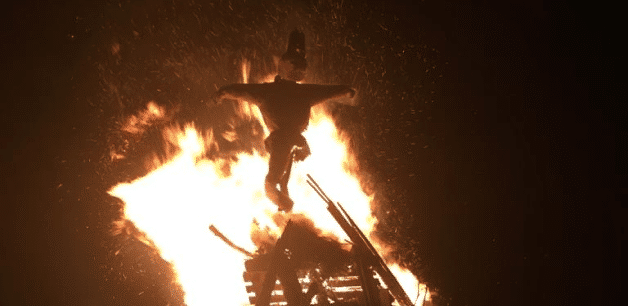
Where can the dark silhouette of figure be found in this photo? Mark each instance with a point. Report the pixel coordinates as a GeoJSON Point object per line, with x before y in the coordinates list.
{"type": "Point", "coordinates": [285, 106]}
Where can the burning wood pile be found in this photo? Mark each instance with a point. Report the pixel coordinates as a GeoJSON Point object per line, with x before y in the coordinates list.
{"type": "Point", "coordinates": [304, 268]}
{"type": "Point", "coordinates": [308, 268]}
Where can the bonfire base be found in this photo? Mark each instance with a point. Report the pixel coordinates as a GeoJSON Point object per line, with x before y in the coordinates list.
{"type": "Point", "coordinates": [304, 269]}
{"type": "Point", "coordinates": [314, 271]}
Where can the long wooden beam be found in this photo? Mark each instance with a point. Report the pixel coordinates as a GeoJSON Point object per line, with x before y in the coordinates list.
{"type": "Point", "coordinates": [358, 238]}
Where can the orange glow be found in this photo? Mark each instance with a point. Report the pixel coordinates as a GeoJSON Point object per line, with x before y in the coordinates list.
{"type": "Point", "coordinates": [176, 202]}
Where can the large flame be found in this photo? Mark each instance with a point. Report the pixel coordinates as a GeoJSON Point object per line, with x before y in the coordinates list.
{"type": "Point", "coordinates": [176, 202]}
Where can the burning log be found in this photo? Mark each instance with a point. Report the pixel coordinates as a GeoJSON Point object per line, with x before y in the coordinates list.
{"type": "Point", "coordinates": [228, 242]}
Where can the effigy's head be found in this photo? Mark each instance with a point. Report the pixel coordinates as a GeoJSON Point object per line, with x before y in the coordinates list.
{"type": "Point", "coordinates": [293, 63]}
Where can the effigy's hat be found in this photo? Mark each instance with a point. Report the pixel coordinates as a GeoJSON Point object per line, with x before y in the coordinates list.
{"type": "Point", "coordinates": [296, 50]}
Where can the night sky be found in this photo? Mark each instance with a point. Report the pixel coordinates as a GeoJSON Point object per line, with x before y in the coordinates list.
{"type": "Point", "coordinates": [489, 132]}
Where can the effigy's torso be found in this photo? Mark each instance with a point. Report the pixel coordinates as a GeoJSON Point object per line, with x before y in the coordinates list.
{"type": "Point", "coordinates": [285, 107]}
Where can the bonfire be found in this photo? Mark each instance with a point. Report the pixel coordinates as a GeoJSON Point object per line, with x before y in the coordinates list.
{"type": "Point", "coordinates": [208, 215]}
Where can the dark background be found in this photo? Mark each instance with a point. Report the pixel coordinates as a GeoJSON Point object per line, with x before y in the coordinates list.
{"type": "Point", "coordinates": [496, 152]}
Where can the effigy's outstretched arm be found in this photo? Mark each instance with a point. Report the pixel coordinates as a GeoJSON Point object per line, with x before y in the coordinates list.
{"type": "Point", "coordinates": [321, 93]}
{"type": "Point", "coordinates": [247, 92]}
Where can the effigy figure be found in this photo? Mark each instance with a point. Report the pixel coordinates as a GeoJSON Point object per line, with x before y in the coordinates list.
{"type": "Point", "coordinates": [285, 106]}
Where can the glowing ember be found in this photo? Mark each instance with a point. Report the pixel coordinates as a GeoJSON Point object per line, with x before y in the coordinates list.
{"type": "Point", "coordinates": [180, 198]}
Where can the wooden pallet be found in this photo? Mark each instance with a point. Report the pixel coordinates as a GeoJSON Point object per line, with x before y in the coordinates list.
{"type": "Point", "coordinates": [343, 288]}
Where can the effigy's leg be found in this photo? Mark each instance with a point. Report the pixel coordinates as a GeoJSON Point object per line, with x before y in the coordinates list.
{"type": "Point", "coordinates": [302, 150]}
{"type": "Point", "coordinates": [283, 183]}
{"type": "Point", "coordinates": [299, 150]}
{"type": "Point", "coordinates": [280, 159]}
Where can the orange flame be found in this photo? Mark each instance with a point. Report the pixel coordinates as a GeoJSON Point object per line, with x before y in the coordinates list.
{"type": "Point", "coordinates": [137, 124]}
{"type": "Point", "coordinates": [177, 201]}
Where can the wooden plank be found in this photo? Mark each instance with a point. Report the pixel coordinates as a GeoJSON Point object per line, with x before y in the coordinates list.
{"type": "Point", "coordinates": [256, 279]}
{"type": "Point", "coordinates": [351, 293]}
{"type": "Point", "coordinates": [274, 298]}
{"type": "Point", "coordinates": [357, 237]}
{"type": "Point", "coordinates": [344, 282]}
